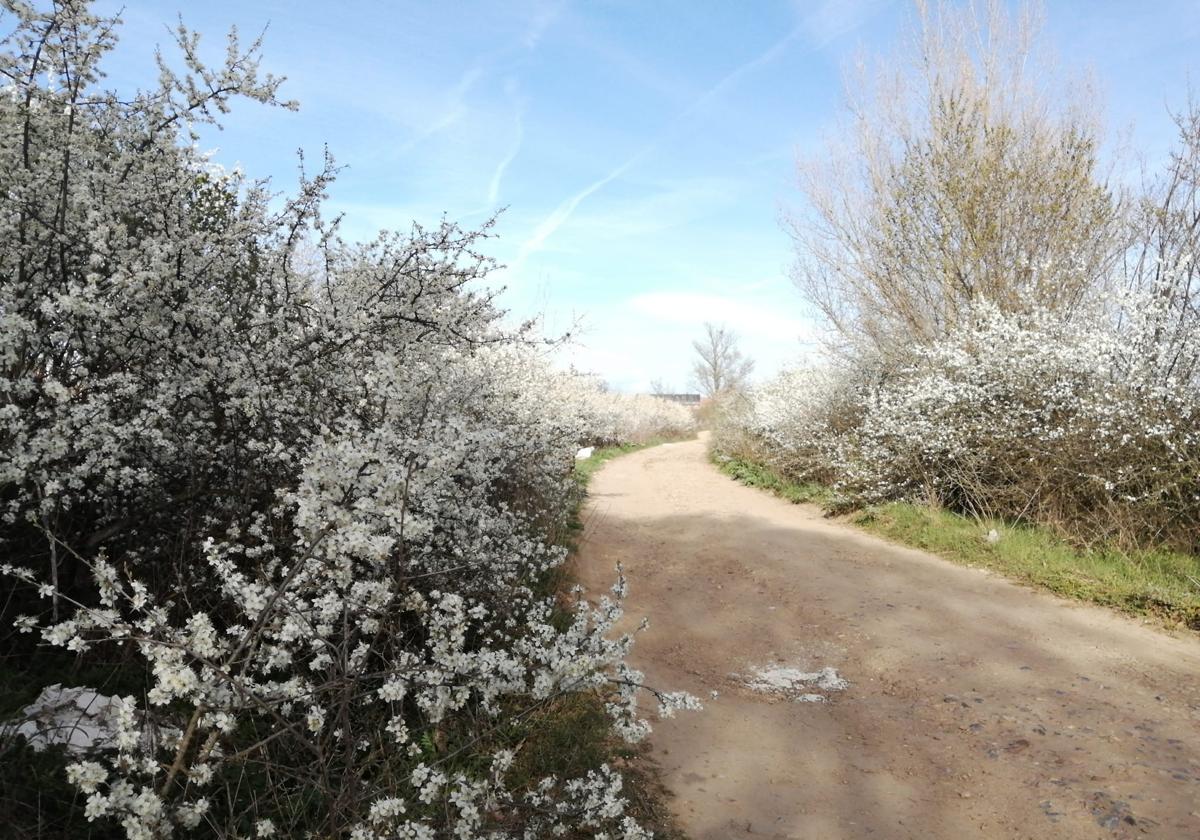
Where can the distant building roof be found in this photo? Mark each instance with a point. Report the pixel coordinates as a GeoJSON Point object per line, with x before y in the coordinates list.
{"type": "Point", "coordinates": [687, 399]}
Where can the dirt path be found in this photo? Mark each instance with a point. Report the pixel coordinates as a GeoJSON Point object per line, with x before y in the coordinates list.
{"type": "Point", "coordinates": [975, 707]}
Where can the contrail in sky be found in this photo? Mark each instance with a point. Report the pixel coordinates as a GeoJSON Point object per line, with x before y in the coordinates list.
{"type": "Point", "coordinates": [563, 212]}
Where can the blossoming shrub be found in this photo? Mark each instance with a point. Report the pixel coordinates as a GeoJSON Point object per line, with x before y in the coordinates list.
{"type": "Point", "coordinates": [611, 418]}
{"type": "Point", "coordinates": [581, 408]}
{"type": "Point", "coordinates": [1090, 422]}
{"type": "Point", "coordinates": [305, 501]}
{"type": "Point", "coordinates": [793, 422]}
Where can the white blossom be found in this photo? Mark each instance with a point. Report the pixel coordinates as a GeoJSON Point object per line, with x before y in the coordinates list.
{"type": "Point", "coordinates": [311, 488]}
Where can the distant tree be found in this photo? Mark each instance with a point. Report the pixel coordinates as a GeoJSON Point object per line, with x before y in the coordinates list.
{"type": "Point", "coordinates": [963, 174]}
{"type": "Point", "coordinates": [720, 365]}
{"type": "Point", "coordinates": [658, 388]}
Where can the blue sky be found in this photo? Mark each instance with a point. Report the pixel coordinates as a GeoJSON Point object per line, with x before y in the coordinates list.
{"type": "Point", "coordinates": [644, 150]}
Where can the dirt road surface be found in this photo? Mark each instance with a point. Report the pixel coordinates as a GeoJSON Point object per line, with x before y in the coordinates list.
{"type": "Point", "coordinates": [974, 707]}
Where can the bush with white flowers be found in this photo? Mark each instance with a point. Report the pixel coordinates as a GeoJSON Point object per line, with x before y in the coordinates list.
{"type": "Point", "coordinates": [611, 418]}
{"type": "Point", "coordinates": [1089, 421]}
{"type": "Point", "coordinates": [792, 421]}
{"type": "Point", "coordinates": [309, 492]}
{"type": "Point", "coordinates": [583, 407]}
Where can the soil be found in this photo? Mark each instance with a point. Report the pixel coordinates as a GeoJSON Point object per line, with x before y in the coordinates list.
{"type": "Point", "coordinates": [971, 707]}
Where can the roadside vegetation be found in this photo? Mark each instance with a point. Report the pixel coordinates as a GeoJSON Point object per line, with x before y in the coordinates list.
{"type": "Point", "coordinates": [1154, 583]}
{"type": "Point", "coordinates": [280, 514]}
{"type": "Point", "coordinates": [1014, 336]}
{"type": "Point", "coordinates": [758, 475]}
{"type": "Point", "coordinates": [585, 468]}
{"type": "Point", "coordinates": [577, 733]}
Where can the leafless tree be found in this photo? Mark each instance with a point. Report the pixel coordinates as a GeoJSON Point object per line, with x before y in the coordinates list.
{"type": "Point", "coordinates": [960, 175]}
{"type": "Point", "coordinates": [720, 366]}
{"type": "Point", "coordinates": [1166, 259]}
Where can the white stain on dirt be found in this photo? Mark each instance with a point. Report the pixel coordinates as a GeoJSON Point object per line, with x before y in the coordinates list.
{"type": "Point", "coordinates": [794, 683]}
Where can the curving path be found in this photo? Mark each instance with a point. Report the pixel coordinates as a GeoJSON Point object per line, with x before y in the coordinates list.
{"type": "Point", "coordinates": [975, 707]}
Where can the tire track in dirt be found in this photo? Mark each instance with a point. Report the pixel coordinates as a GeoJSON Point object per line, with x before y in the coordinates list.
{"type": "Point", "coordinates": [975, 707]}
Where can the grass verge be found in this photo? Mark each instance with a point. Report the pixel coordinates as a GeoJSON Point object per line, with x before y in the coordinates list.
{"type": "Point", "coordinates": [574, 734]}
{"type": "Point", "coordinates": [585, 468]}
{"type": "Point", "coordinates": [1156, 583]}
{"type": "Point", "coordinates": [757, 475]}
{"type": "Point", "coordinates": [1159, 584]}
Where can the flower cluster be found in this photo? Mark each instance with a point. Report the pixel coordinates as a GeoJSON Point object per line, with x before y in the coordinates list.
{"type": "Point", "coordinates": [609, 418]}
{"type": "Point", "coordinates": [308, 490]}
{"type": "Point", "coordinates": [582, 407]}
{"type": "Point", "coordinates": [1088, 419]}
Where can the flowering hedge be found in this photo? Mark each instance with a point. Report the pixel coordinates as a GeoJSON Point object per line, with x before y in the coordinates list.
{"type": "Point", "coordinates": [309, 492]}
{"type": "Point", "coordinates": [1089, 421]}
{"type": "Point", "coordinates": [611, 418]}
{"type": "Point", "coordinates": [582, 406]}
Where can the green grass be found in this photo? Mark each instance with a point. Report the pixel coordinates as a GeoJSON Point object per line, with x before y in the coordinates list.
{"type": "Point", "coordinates": [586, 468]}
{"type": "Point", "coordinates": [573, 734]}
{"type": "Point", "coordinates": [757, 475]}
{"type": "Point", "coordinates": [1160, 584]}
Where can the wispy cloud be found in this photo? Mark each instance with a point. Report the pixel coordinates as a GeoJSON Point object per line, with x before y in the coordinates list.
{"type": "Point", "coordinates": [514, 149]}
{"type": "Point", "coordinates": [660, 206]}
{"type": "Point", "coordinates": [669, 83]}
{"type": "Point", "coordinates": [542, 19]}
{"type": "Point", "coordinates": [454, 109]}
{"type": "Point", "coordinates": [746, 317]}
{"type": "Point", "coordinates": [562, 213]}
{"type": "Point", "coordinates": [649, 336]}
{"type": "Point", "coordinates": [547, 227]}
{"type": "Point", "coordinates": [737, 74]}
{"type": "Point", "coordinates": [826, 21]}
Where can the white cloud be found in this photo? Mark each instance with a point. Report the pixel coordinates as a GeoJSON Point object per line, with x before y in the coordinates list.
{"type": "Point", "coordinates": [493, 196]}
{"type": "Point", "coordinates": [563, 212]}
{"type": "Point", "coordinates": [649, 336]}
{"type": "Point", "coordinates": [745, 317]}
{"type": "Point", "coordinates": [451, 112]}
{"type": "Point", "coordinates": [656, 207]}
{"type": "Point", "coordinates": [542, 20]}
{"type": "Point", "coordinates": [732, 78]}
{"type": "Point", "coordinates": [829, 20]}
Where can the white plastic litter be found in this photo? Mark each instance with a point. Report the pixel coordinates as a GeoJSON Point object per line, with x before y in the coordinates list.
{"type": "Point", "coordinates": [586, 452]}
{"type": "Point", "coordinates": [81, 718]}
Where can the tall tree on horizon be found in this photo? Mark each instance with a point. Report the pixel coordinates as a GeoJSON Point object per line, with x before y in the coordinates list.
{"type": "Point", "coordinates": [966, 170]}
{"type": "Point", "coordinates": [720, 365]}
